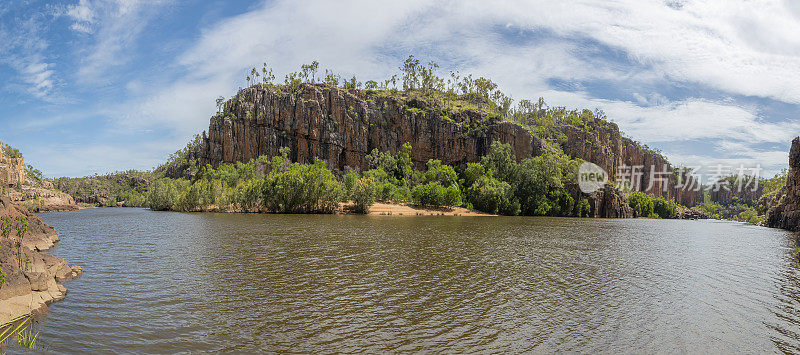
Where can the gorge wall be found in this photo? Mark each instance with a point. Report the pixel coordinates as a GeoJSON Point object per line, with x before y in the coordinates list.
{"type": "Point", "coordinates": [12, 168]}
{"type": "Point", "coordinates": [786, 212]}
{"type": "Point", "coordinates": [343, 126]}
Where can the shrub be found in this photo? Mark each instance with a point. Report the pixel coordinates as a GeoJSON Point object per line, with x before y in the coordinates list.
{"type": "Point", "coordinates": [363, 194]}
{"type": "Point", "coordinates": [441, 173]}
{"type": "Point", "coordinates": [472, 173]}
{"type": "Point", "coordinates": [165, 193]}
{"type": "Point", "coordinates": [434, 194]}
{"type": "Point", "coordinates": [583, 209]}
{"type": "Point", "coordinates": [303, 188]}
{"type": "Point", "coordinates": [494, 196]}
{"type": "Point", "coordinates": [641, 203]}
{"type": "Point", "coordinates": [664, 208]}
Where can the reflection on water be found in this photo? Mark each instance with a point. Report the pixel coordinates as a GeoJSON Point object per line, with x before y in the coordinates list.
{"type": "Point", "coordinates": [166, 282]}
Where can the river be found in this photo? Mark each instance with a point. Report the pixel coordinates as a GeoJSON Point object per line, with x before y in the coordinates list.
{"type": "Point", "coordinates": [170, 282]}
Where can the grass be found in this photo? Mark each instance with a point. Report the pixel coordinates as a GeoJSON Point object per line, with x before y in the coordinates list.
{"type": "Point", "coordinates": [22, 327]}
{"type": "Point", "coordinates": [26, 338]}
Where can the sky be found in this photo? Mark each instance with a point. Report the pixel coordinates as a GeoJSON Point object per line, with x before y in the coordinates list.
{"type": "Point", "coordinates": [99, 86]}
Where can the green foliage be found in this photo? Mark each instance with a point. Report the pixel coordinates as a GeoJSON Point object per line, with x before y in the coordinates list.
{"type": "Point", "coordinates": [183, 163]}
{"type": "Point", "coordinates": [11, 152]}
{"type": "Point", "coordinates": [641, 203]}
{"type": "Point", "coordinates": [583, 209]}
{"type": "Point", "coordinates": [26, 338]}
{"type": "Point", "coordinates": [303, 188]}
{"type": "Point", "coordinates": [363, 194]}
{"type": "Point", "coordinates": [736, 211]}
{"type": "Point", "coordinates": [436, 195]}
{"type": "Point", "coordinates": [2, 276]}
{"type": "Point", "coordinates": [472, 173]}
{"type": "Point", "coordinates": [501, 161]}
{"type": "Point", "coordinates": [128, 187]}
{"type": "Point", "coordinates": [443, 174]}
{"type": "Point", "coordinates": [494, 196]}
{"type": "Point", "coordinates": [5, 227]}
{"type": "Point", "coordinates": [165, 193]}
{"type": "Point", "coordinates": [33, 173]}
{"type": "Point", "coordinates": [664, 208]}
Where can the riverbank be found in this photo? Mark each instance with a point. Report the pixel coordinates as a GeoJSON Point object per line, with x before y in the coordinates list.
{"type": "Point", "coordinates": [406, 209]}
{"type": "Point", "coordinates": [30, 287]}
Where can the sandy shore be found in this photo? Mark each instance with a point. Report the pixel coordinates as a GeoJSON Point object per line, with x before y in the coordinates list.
{"type": "Point", "coordinates": [405, 209]}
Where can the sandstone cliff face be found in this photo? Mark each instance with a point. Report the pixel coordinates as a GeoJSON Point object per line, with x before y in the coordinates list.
{"type": "Point", "coordinates": [605, 146]}
{"type": "Point", "coordinates": [786, 214]}
{"type": "Point", "coordinates": [746, 194]}
{"type": "Point", "coordinates": [342, 127]}
{"type": "Point", "coordinates": [12, 170]}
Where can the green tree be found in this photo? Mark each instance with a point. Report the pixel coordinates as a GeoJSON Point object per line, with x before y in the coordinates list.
{"type": "Point", "coordinates": [363, 194]}
{"type": "Point", "coordinates": [494, 196]}
{"type": "Point", "coordinates": [641, 203]}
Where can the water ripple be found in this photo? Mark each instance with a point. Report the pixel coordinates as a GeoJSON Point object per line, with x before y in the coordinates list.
{"type": "Point", "coordinates": [176, 282]}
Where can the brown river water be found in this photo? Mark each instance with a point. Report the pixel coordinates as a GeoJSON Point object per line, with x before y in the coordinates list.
{"type": "Point", "coordinates": [168, 282]}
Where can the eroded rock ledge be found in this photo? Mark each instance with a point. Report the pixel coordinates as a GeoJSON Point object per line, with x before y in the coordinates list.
{"type": "Point", "coordinates": [30, 289]}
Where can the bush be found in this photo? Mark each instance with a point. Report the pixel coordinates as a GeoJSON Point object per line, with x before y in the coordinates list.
{"type": "Point", "coordinates": [538, 186]}
{"type": "Point", "coordinates": [441, 173]}
{"type": "Point", "coordinates": [665, 208]}
{"type": "Point", "coordinates": [303, 188]}
{"type": "Point", "coordinates": [436, 195]}
{"type": "Point", "coordinates": [472, 173]}
{"type": "Point", "coordinates": [363, 194]}
{"type": "Point", "coordinates": [583, 209]}
{"type": "Point", "coordinates": [164, 194]}
{"type": "Point", "coordinates": [641, 203]}
{"type": "Point", "coordinates": [494, 196]}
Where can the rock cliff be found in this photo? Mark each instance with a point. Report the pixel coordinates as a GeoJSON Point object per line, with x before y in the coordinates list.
{"type": "Point", "coordinates": [786, 213]}
{"type": "Point", "coordinates": [12, 168]}
{"type": "Point", "coordinates": [603, 144]}
{"type": "Point", "coordinates": [343, 126]}
{"type": "Point", "coordinates": [37, 194]}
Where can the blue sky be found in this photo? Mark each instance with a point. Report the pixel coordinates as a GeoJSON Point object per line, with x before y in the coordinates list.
{"type": "Point", "coordinates": [97, 86]}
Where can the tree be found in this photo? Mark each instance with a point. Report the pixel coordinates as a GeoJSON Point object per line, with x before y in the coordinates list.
{"type": "Point", "coordinates": [220, 104]}
{"type": "Point", "coordinates": [363, 194]}
{"type": "Point", "coordinates": [309, 72]}
{"type": "Point", "coordinates": [493, 196]}
{"type": "Point", "coordinates": [410, 73]}
{"type": "Point", "coordinates": [267, 75]}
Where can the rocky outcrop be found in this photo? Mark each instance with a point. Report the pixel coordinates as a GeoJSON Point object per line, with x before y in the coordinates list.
{"type": "Point", "coordinates": [728, 193]}
{"type": "Point", "coordinates": [786, 212]}
{"type": "Point", "coordinates": [12, 168]}
{"type": "Point", "coordinates": [609, 202]}
{"type": "Point", "coordinates": [43, 199]}
{"type": "Point", "coordinates": [342, 127]}
{"type": "Point", "coordinates": [624, 159]}
{"type": "Point", "coordinates": [31, 287]}
{"type": "Point", "coordinates": [690, 213]}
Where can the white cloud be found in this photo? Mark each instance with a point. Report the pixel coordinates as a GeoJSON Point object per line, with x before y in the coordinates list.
{"type": "Point", "coordinates": [740, 48]}
{"type": "Point", "coordinates": [81, 12]}
{"type": "Point", "coordinates": [115, 26]}
{"type": "Point", "coordinates": [24, 50]}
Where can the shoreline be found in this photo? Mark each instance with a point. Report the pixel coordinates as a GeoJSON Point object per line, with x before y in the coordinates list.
{"type": "Point", "coordinates": [32, 290]}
